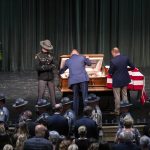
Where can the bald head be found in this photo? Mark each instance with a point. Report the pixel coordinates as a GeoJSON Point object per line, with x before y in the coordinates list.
{"type": "Point", "coordinates": [40, 130]}
{"type": "Point", "coordinates": [75, 51]}
{"type": "Point", "coordinates": [115, 51]}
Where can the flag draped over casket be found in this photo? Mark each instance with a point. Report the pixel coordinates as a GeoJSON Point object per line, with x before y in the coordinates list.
{"type": "Point", "coordinates": [137, 83]}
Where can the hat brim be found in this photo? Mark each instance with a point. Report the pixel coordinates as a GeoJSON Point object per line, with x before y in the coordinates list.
{"type": "Point", "coordinates": [45, 47]}
{"type": "Point", "coordinates": [93, 100]}
{"type": "Point", "coordinates": [67, 103]}
{"type": "Point", "coordinates": [2, 99]}
{"type": "Point", "coordinates": [37, 106]}
{"type": "Point", "coordinates": [125, 105]}
{"type": "Point", "coordinates": [16, 106]}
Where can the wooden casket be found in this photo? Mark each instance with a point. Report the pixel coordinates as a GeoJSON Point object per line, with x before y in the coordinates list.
{"type": "Point", "coordinates": [97, 74]}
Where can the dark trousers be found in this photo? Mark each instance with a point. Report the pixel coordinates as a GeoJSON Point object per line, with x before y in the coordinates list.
{"type": "Point", "coordinates": [41, 89]}
{"type": "Point", "coordinates": [83, 87]}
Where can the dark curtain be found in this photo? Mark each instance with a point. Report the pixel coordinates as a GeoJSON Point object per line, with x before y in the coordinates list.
{"type": "Point", "coordinates": [92, 26]}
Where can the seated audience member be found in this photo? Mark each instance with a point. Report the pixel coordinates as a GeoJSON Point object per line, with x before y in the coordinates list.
{"type": "Point", "coordinates": [54, 137]}
{"type": "Point", "coordinates": [124, 111]}
{"type": "Point", "coordinates": [125, 142]}
{"type": "Point", "coordinates": [82, 142]}
{"type": "Point", "coordinates": [8, 147]}
{"type": "Point", "coordinates": [104, 146]}
{"type": "Point", "coordinates": [19, 106]}
{"type": "Point", "coordinates": [57, 121]}
{"type": "Point", "coordinates": [30, 123]}
{"type": "Point", "coordinates": [128, 126]}
{"type": "Point", "coordinates": [64, 144]}
{"type": "Point", "coordinates": [4, 108]}
{"type": "Point", "coordinates": [94, 146]}
{"type": "Point", "coordinates": [21, 135]}
{"type": "Point", "coordinates": [4, 136]}
{"type": "Point", "coordinates": [91, 126]}
{"type": "Point", "coordinates": [38, 142]}
{"type": "Point", "coordinates": [42, 106]}
{"type": "Point", "coordinates": [145, 143]}
{"type": "Point", "coordinates": [73, 147]}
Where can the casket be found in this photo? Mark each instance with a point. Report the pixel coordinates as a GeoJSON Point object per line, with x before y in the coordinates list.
{"type": "Point", "coordinates": [96, 72]}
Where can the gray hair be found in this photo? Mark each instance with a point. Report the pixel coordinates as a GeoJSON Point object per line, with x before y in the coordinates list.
{"type": "Point", "coordinates": [73, 147]}
{"type": "Point", "coordinates": [145, 141]}
{"type": "Point", "coordinates": [8, 147]}
{"type": "Point", "coordinates": [128, 121]}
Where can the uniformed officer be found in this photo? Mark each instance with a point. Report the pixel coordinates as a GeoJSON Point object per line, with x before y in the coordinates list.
{"type": "Point", "coordinates": [42, 106]}
{"type": "Point", "coordinates": [4, 108]}
{"type": "Point", "coordinates": [47, 71]}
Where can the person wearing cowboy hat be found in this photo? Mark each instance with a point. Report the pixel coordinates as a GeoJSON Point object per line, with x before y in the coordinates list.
{"type": "Point", "coordinates": [3, 107]}
{"type": "Point", "coordinates": [19, 107]}
{"type": "Point", "coordinates": [124, 111]}
{"type": "Point", "coordinates": [68, 112]}
{"type": "Point", "coordinates": [47, 70]}
{"type": "Point", "coordinates": [42, 106]}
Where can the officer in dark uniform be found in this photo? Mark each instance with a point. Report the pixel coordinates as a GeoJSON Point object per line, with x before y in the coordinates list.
{"type": "Point", "coordinates": [42, 106]}
{"type": "Point", "coordinates": [47, 70]}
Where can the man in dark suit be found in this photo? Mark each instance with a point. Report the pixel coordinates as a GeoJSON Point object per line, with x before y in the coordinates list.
{"type": "Point", "coordinates": [58, 122]}
{"type": "Point", "coordinates": [78, 77]}
{"type": "Point", "coordinates": [92, 130]}
{"type": "Point", "coordinates": [38, 142]}
{"type": "Point", "coordinates": [119, 71]}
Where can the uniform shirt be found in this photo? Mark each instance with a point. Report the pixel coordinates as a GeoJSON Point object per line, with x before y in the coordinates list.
{"type": "Point", "coordinates": [45, 66]}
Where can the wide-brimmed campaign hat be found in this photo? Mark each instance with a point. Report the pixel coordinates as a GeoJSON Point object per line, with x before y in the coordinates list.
{"type": "Point", "coordinates": [46, 44]}
{"type": "Point", "coordinates": [20, 102]}
{"type": "Point", "coordinates": [92, 98]}
{"type": "Point", "coordinates": [66, 100]}
{"type": "Point", "coordinates": [125, 104]}
{"type": "Point", "coordinates": [42, 103]}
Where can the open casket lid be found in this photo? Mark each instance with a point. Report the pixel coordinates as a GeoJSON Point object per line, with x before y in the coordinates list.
{"type": "Point", "coordinates": [93, 71]}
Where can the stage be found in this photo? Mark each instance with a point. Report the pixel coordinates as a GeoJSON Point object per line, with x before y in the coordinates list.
{"type": "Point", "coordinates": [24, 85]}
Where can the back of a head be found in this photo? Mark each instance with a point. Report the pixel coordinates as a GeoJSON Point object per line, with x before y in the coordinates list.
{"type": "Point", "coordinates": [58, 107]}
{"type": "Point", "coordinates": [28, 114]}
{"type": "Point", "coordinates": [8, 147]}
{"type": "Point", "coordinates": [73, 147]}
{"type": "Point", "coordinates": [74, 51]}
{"type": "Point", "coordinates": [128, 121]}
{"type": "Point", "coordinates": [116, 50]}
{"type": "Point", "coordinates": [145, 142]}
{"type": "Point", "coordinates": [64, 144]}
{"type": "Point", "coordinates": [87, 111]}
{"type": "Point", "coordinates": [82, 131]}
{"type": "Point", "coordinates": [40, 130]}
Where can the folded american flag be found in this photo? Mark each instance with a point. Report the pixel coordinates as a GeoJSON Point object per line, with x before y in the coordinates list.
{"type": "Point", "coordinates": [137, 83]}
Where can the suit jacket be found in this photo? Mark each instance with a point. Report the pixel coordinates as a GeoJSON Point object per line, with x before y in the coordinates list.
{"type": "Point", "coordinates": [125, 146]}
{"type": "Point", "coordinates": [58, 123]}
{"type": "Point", "coordinates": [77, 72]}
{"type": "Point", "coordinates": [92, 131]}
{"type": "Point", "coordinates": [37, 143]}
{"type": "Point", "coordinates": [118, 70]}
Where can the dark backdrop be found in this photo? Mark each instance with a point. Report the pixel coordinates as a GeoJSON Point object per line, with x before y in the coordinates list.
{"type": "Point", "coordinates": [92, 26]}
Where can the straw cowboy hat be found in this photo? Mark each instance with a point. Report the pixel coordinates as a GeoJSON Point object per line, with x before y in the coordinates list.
{"type": "Point", "coordinates": [46, 44]}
